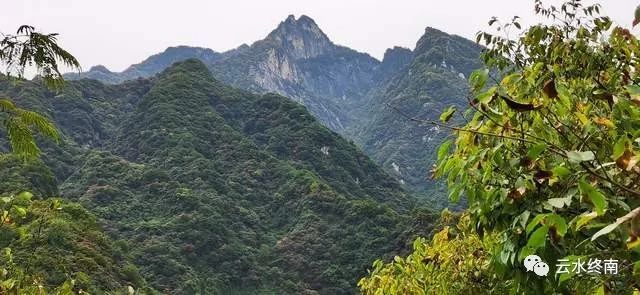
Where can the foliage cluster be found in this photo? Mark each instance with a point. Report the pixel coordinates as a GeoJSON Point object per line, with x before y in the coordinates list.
{"type": "Point", "coordinates": [455, 261]}
{"type": "Point", "coordinates": [547, 155]}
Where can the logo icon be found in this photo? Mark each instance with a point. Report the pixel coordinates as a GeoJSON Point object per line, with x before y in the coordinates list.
{"type": "Point", "coordinates": [534, 263]}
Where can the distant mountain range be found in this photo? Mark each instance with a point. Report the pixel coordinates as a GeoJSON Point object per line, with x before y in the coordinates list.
{"type": "Point", "coordinates": [346, 90]}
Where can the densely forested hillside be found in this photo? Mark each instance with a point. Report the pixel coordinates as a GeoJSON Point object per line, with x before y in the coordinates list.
{"type": "Point", "coordinates": [57, 241]}
{"type": "Point", "coordinates": [435, 78]}
{"type": "Point", "coordinates": [219, 190]}
{"type": "Point", "coordinates": [345, 90]}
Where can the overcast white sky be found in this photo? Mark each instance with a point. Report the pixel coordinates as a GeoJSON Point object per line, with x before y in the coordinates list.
{"type": "Point", "coordinates": [117, 33]}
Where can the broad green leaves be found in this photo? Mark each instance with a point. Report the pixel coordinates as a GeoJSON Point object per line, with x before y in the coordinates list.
{"type": "Point", "coordinates": [443, 150]}
{"type": "Point", "coordinates": [566, 118]}
{"type": "Point", "coordinates": [538, 237]}
{"type": "Point", "coordinates": [535, 151]}
{"type": "Point", "coordinates": [596, 198]}
{"type": "Point", "coordinates": [478, 79]}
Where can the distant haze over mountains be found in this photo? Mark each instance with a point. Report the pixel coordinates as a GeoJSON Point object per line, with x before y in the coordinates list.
{"type": "Point", "coordinates": [346, 90]}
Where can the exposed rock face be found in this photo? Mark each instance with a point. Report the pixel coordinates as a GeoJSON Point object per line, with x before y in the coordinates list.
{"type": "Point", "coordinates": [298, 60]}
{"type": "Point", "coordinates": [301, 38]}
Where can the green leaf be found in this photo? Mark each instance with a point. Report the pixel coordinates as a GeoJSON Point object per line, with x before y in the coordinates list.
{"type": "Point", "coordinates": [524, 252]}
{"type": "Point", "coordinates": [564, 95]}
{"type": "Point", "coordinates": [578, 157]}
{"type": "Point", "coordinates": [597, 198]}
{"type": "Point", "coordinates": [585, 218]}
{"type": "Point", "coordinates": [24, 196]}
{"type": "Point", "coordinates": [534, 222]}
{"type": "Point", "coordinates": [456, 193]}
{"type": "Point", "coordinates": [444, 149]}
{"type": "Point", "coordinates": [556, 221]}
{"type": "Point", "coordinates": [478, 79]}
{"type": "Point", "coordinates": [510, 79]}
{"type": "Point", "coordinates": [20, 211]}
{"type": "Point", "coordinates": [620, 147]}
{"type": "Point", "coordinates": [447, 114]}
{"type": "Point", "coordinates": [523, 218]}
{"type": "Point", "coordinates": [560, 202]}
{"type": "Point", "coordinates": [487, 96]}
{"type": "Point", "coordinates": [561, 171]}
{"type": "Point", "coordinates": [536, 150]}
{"type": "Point", "coordinates": [538, 237]}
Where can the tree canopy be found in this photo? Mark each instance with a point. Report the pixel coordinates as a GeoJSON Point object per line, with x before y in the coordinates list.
{"type": "Point", "coordinates": [547, 156]}
{"type": "Point", "coordinates": [29, 48]}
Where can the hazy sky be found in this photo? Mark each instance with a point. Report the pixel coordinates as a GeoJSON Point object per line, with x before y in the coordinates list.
{"type": "Point", "coordinates": [117, 33]}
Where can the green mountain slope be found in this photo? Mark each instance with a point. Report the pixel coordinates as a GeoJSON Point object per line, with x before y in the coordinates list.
{"type": "Point", "coordinates": [348, 91]}
{"type": "Point", "coordinates": [55, 244]}
{"type": "Point", "coordinates": [218, 190]}
{"type": "Point", "coordinates": [434, 79]}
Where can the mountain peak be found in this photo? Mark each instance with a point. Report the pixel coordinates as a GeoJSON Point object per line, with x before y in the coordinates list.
{"type": "Point", "coordinates": [189, 66]}
{"type": "Point", "coordinates": [302, 20]}
{"type": "Point", "coordinates": [99, 68]}
{"type": "Point", "coordinates": [434, 31]}
{"type": "Point", "coordinates": [396, 51]}
{"type": "Point", "coordinates": [302, 38]}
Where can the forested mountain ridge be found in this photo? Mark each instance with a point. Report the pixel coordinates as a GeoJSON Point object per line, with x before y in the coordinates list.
{"type": "Point", "coordinates": [220, 190]}
{"type": "Point", "coordinates": [296, 60]}
{"type": "Point", "coordinates": [150, 66]}
{"type": "Point", "coordinates": [435, 78]}
{"type": "Point", "coordinates": [349, 91]}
